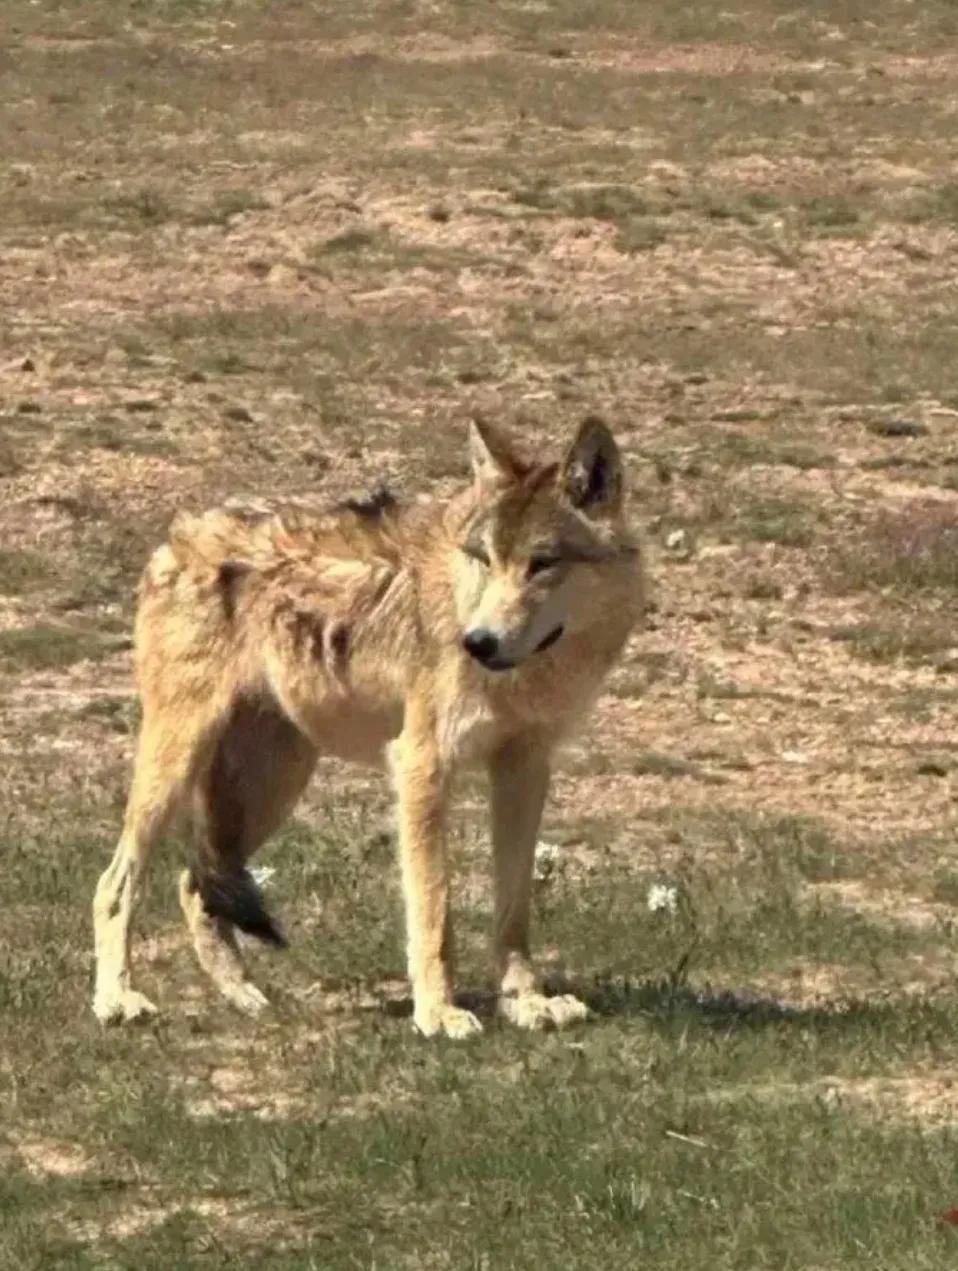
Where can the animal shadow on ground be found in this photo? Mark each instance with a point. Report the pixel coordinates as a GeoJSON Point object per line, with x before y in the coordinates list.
{"type": "Point", "coordinates": [663, 1002]}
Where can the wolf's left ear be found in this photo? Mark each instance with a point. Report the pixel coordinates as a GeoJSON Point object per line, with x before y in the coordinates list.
{"type": "Point", "coordinates": [493, 462]}
{"type": "Point", "coordinates": [591, 472]}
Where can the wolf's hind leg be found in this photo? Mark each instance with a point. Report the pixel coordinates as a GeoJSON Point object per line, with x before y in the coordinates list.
{"type": "Point", "coordinates": [165, 763]}
{"type": "Point", "coordinates": [260, 767]}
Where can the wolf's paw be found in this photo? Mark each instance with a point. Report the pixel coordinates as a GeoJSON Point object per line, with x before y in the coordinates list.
{"type": "Point", "coordinates": [446, 1021]}
{"type": "Point", "coordinates": [535, 1010]}
{"type": "Point", "coordinates": [122, 1007]}
{"type": "Point", "coordinates": [246, 997]}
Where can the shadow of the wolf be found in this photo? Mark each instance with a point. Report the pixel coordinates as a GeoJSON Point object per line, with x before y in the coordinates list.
{"type": "Point", "coordinates": [663, 1004]}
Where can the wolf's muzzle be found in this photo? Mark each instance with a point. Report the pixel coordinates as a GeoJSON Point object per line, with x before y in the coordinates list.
{"type": "Point", "coordinates": [482, 645]}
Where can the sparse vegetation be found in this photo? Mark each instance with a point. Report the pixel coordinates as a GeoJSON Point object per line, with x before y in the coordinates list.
{"type": "Point", "coordinates": [787, 522]}
{"type": "Point", "coordinates": [908, 551]}
{"type": "Point", "coordinates": [22, 570]}
{"type": "Point", "coordinates": [257, 248]}
{"type": "Point", "coordinates": [44, 646]}
{"type": "Point", "coordinates": [736, 449]}
{"type": "Point", "coordinates": [914, 638]}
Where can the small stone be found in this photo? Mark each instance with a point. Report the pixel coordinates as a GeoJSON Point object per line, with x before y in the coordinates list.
{"type": "Point", "coordinates": [737, 416]}
{"type": "Point", "coordinates": [141, 405]}
{"type": "Point", "coordinates": [29, 408]}
{"type": "Point", "coordinates": [238, 414]}
{"type": "Point", "coordinates": [897, 428]}
{"type": "Point", "coordinates": [933, 766]}
{"type": "Point", "coordinates": [316, 459]}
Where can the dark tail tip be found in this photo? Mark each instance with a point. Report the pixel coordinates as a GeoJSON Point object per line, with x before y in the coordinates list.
{"type": "Point", "coordinates": [236, 898]}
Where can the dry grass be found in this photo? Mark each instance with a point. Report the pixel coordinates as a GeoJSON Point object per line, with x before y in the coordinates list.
{"type": "Point", "coordinates": [295, 247]}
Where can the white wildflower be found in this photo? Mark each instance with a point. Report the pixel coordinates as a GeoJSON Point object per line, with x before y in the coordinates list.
{"type": "Point", "coordinates": [546, 859]}
{"type": "Point", "coordinates": [794, 756]}
{"type": "Point", "coordinates": [662, 897]}
{"type": "Point", "coordinates": [263, 875]}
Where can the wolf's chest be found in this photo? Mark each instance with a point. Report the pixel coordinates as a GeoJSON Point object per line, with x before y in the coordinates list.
{"type": "Point", "coordinates": [468, 728]}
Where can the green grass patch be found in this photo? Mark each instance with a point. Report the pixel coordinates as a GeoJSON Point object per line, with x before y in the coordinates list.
{"type": "Point", "coordinates": [787, 522]}
{"type": "Point", "coordinates": [673, 1124]}
{"type": "Point", "coordinates": [286, 343]}
{"type": "Point", "coordinates": [907, 551]}
{"type": "Point", "coordinates": [376, 248]}
{"type": "Point", "coordinates": [741, 449]}
{"type": "Point", "coordinates": [889, 640]}
{"type": "Point", "coordinates": [44, 646]}
{"type": "Point", "coordinates": [22, 570]}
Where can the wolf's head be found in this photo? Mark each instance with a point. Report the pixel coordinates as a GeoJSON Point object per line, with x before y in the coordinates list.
{"type": "Point", "coordinates": [538, 546]}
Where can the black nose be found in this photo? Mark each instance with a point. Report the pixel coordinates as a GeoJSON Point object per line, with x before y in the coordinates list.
{"type": "Point", "coordinates": [481, 644]}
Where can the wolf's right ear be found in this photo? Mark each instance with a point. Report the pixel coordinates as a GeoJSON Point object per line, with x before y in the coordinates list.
{"type": "Point", "coordinates": [591, 473]}
{"type": "Point", "coordinates": [493, 462]}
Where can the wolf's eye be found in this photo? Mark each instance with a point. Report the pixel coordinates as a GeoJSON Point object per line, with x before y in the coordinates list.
{"type": "Point", "coordinates": [475, 552]}
{"type": "Point", "coordinates": [539, 564]}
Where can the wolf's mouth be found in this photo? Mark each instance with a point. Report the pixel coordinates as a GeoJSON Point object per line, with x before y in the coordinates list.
{"type": "Point", "coordinates": [550, 639]}
{"type": "Point", "coordinates": [506, 664]}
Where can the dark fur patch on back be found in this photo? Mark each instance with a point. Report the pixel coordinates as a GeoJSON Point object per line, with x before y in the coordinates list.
{"type": "Point", "coordinates": [229, 577]}
{"type": "Point", "coordinates": [337, 643]}
{"type": "Point", "coordinates": [373, 506]}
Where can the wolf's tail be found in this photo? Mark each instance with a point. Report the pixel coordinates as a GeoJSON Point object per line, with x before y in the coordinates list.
{"type": "Point", "coordinates": [233, 895]}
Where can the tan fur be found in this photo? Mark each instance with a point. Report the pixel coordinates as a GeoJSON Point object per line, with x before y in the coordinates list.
{"type": "Point", "coordinates": [266, 636]}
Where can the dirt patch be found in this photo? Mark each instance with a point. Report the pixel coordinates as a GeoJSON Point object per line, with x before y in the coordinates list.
{"type": "Point", "coordinates": [142, 1216]}
{"type": "Point", "coordinates": [48, 1158]}
{"type": "Point", "coordinates": [695, 59]}
{"type": "Point", "coordinates": [931, 1098]}
{"type": "Point", "coordinates": [230, 1089]}
{"type": "Point", "coordinates": [892, 906]}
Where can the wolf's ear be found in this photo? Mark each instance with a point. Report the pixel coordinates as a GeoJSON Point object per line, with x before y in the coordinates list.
{"type": "Point", "coordinates": [493, 462]}
{"type": "Point", "coordinates": [591, 472]}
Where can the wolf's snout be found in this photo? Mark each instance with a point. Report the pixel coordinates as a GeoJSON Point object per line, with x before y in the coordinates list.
{"type": "Point", "coordinates": [481, 644]}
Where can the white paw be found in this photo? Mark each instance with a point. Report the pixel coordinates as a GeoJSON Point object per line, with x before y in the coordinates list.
{"type": "Point", "coordinates": [446, 1021]}
{"type": "Point", "coordinates": [122, 1006]}
{"type": "Point", "coordinates": [535, 1010]}
{"type": "Point", "coordinates": [246, 997]}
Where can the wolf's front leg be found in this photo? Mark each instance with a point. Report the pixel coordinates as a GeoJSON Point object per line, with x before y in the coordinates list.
{"type": "Point", "coordinates": [422, 789]}
{"type": "Point", "coordinates": [520, 780]}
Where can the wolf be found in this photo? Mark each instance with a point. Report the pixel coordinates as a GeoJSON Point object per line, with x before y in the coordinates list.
{"type": "Point", "coordinates": [473, 629]}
